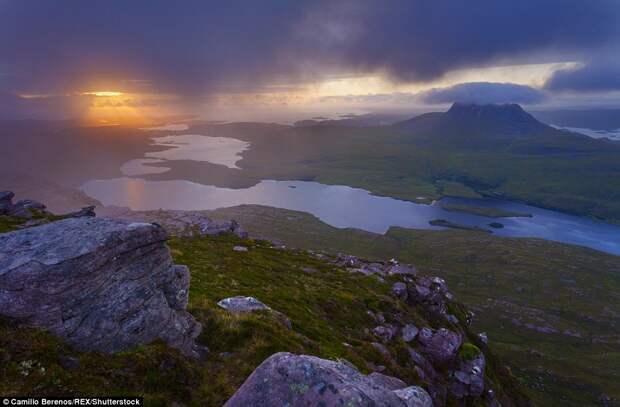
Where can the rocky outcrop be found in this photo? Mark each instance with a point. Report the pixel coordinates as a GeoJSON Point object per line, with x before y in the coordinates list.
{"type": "Point", "coordinates": [28, 208]}
{"type": "Point", "coordinates": [439, 356]}
{"type": "Point", "coordinates": [100, 284]}
{"type": "Point", "coordinates": [179, 223]}
{"type": "Point", "coordinates": [441, 346]}
{"type": "Point", "coordinates": [469, 377]}
{"type": "Point", "coordinates": [85, 212]}
{"type": "Point", "coordinates": [381, 269]}
{"type": "Point", "coordinates": [285, 379]}
{"type": "Point", "coordinates": [208, 228]}
{"type": "Point", "coordinates": [21, 209]}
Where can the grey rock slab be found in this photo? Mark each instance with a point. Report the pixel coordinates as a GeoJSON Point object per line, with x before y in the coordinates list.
{"type": "Point", "coordinates": [440, 346]}
{"type": "Point", "coordinates": [101, 284]}
{"type": "Point", "coordinates": [415, 396]}
{"type": "Point", "coordinates": [285, 379]}
{"type": "Point", "coordinates": [242, 304]}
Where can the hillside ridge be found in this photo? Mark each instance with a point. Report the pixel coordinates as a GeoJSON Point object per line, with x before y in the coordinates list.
{"type": "Point", "coordinates": [387, 320]}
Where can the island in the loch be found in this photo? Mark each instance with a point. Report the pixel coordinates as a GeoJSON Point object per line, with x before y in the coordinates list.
{"type": "Point", "coordinates": [489, 212]}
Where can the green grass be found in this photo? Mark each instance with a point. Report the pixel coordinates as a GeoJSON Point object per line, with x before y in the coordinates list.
{"type": "Point", "coordinates": [508, 282]}
{"type": "Point", "coordinates": [11, 223]}
{"type": "Point", "coordinates": [326, 305]}
{"type": "Point", "coordinates": [8, 223]}
{"type": "Point", "coordinates": [469, 351]}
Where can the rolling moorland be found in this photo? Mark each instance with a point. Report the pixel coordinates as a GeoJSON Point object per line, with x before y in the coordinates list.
{"type": "Point", "coordinates": [323, 309]}
{"type": "Point", "coordinates": [551, 310]}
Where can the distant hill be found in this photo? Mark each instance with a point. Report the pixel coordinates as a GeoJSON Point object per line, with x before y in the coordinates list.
{"type": "Point", "coordinates": [493, 127]}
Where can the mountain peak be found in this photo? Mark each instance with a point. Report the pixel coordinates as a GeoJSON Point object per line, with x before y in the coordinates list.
{"type": "Point", "coordinates": [495, 118]}
{"type": "Point", "coordinates": [472, 109]}
{"type": "Point", "coordinates": [485, 123]}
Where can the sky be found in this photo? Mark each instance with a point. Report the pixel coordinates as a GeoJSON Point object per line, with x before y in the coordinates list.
{"type": "Point", "coordinates": [105, 60]}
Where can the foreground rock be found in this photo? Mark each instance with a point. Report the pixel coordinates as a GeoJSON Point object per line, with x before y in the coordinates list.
{"type": "Point", "coordinates": [285, 379]}
{"type": "Point", "coordinates": [101, 284]}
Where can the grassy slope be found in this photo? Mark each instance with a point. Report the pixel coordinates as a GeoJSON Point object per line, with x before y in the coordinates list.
{"type": "Point", "coordinates": [510, 282]}
{"type": "Point", "coordinates": [327, 307]}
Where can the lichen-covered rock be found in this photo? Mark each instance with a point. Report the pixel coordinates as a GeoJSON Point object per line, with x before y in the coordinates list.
{"type": "Point", "coordinates": [100, 284]}
{"type": "Point", "coordinates": [285, 379]}
{"type": "Point", "coordinates": [399, 290]}
{"type": "Point", "coordinates": [389, 382]}
{"type": "Point", "coordinates": [440, 346]}
{"type": "Point", "coordinates": [409, 332]}
{"type": "Point", "coordinates": [385, 332]}
{"type": "Point", "coordinates": [241, 304]}
{"type": "Point", "coordinates": [425, 369]}
{"type": "Point", "coordinates": [430, 291]}
{"type": "Point", "coordinates": [401, 269]}
{"type": "Point", "coordinates": [469, 377]}
{"type": "Point", "coordinates": [415, 396]}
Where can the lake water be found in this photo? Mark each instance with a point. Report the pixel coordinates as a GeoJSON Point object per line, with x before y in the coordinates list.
{"type": "Point", "coordinates": [343, 206]}
{"type": "Point", "coordinates": [194, 147]}
{"type": "Point", "coordinates": [337, 205]}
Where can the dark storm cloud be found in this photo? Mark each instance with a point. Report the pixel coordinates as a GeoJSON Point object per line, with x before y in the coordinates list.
{"type": "Point", "coordinates": [421, 40]}
{"type": "Point", "coordinates": [195, 47]}
{"type": "Point", "coordinates": [602, 74]}
{"type": "Point", "coordinates": [484, 92]}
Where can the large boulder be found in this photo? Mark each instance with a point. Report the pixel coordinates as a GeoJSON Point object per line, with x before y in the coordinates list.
{"type": "Point", "coordinates": [291, 380]}
{"type": "Point", "coordinates": [469, 377]}
{"type": "Point", "coordinates": [441, 346]}
{"type": "Point", "coordinates": [101, 284]}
